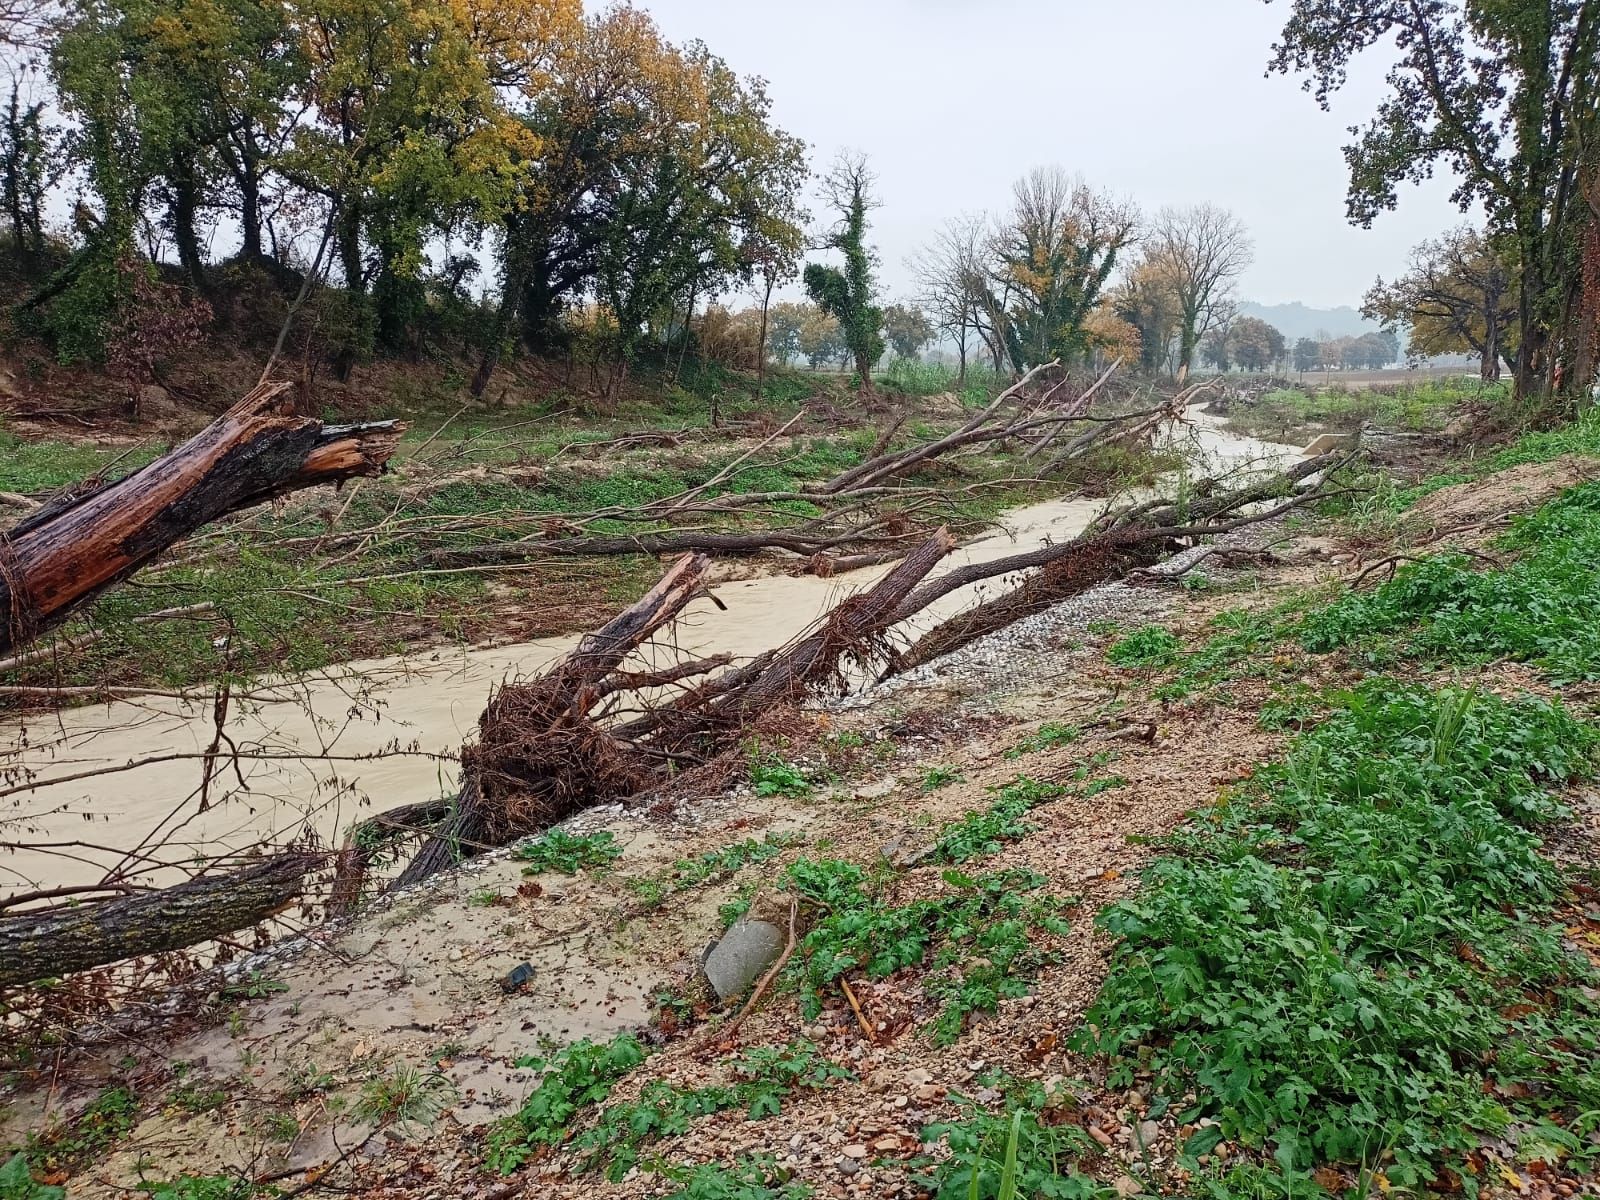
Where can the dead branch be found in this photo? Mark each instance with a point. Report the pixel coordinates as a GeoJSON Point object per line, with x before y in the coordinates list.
{"type": "Point", "coordinates": [90, 537]}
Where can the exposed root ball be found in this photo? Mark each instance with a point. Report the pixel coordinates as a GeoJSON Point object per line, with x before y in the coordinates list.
{"type": "Point", "coordinates": [538, 760]}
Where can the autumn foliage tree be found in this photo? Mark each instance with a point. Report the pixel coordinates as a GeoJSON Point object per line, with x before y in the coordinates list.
{"type": "Point", "coordinates": [1503, 95]}
{"type": "Point", "coordinates": [1457, 297]}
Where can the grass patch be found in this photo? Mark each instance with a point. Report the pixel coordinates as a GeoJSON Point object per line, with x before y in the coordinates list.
{"type": "Point", "coordinates": [1352, 959]}
{"type": "Point", "coordinates": [1294, 415]}
{"type": "Point", "coordinates": [1538, 609]}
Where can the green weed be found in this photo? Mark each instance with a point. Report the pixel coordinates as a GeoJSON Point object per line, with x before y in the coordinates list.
{"type": "Point", "coordinates": [979, 943]}
{"type": "Point", "coordinates": [102, 1123]}
{"type": "Point", "coordinates": [772, 776]}
{"type": "Point", "coordinates": [567, 853]}
{"type": "Point", "coordinates": [1353, 957]}
{"type": "Point", "coordinates": [1048, 736]}
{"type": "Point", "coordinates": [575, 1079]}
{"type": "Point", "coordinates": [199, 1187]}
{"type": "Point", "coordinates": [17, 1182]}
{"type": "Point", "coordinates": [405, 1095]}
{"type": "Point", "coordinates": [1015, 1154]}
{"type": "Point", "coordinates": [934, 778]}
{"type": "Point", "coordinates": [1145, 649]}
{"type": "Point", "coordinates": [747, 1179]}
{"type": "Point", "coordinates": [983, 832]}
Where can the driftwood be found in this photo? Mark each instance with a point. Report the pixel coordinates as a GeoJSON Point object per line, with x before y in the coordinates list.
{"type": "Point", "coordinates": [59, 940]}
{"type": "Point", "coordinates": [546, 750]}
{"type": "Point", "coordinates": [78, 544]}
{"type": "Point", "coordinates": [845, 526]}
{"type": "Point", "coordinates": [1124, 542]}
{"type": "Point", "coordinates": [538, 757]}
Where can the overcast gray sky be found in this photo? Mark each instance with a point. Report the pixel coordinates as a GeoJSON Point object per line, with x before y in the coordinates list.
{"type": "Point", "coordinates": [1164, 101]}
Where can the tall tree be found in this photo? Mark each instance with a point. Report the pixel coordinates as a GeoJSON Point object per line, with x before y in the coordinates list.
{"type": "Point", "coordinates": [412, 134]}
{"type": "Point", "coordinates": [950, 276]}
{"type": "Point", "coordinates": [907, 329]}
{"type": "Point", "coordinates": [1200, 251]}
{"type": "Point", "coordinates": [1052, 253]}
{"type": "Point", "coordinates": [1458, 297]}
{"type": "Point", "coordinates": [847, 293]}
{"type": "Point", "coordinates": [1307, 354]}
{"type": "Point", "coordinates": [1254, 344]}
{"type": "Point", "coordinates": [1145, 299]}
{"type": "Point", "coordinates": [1506, 95]}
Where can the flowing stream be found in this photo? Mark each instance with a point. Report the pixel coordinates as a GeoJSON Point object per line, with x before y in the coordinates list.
{"type": "Point", "coordinates": [319, 756]}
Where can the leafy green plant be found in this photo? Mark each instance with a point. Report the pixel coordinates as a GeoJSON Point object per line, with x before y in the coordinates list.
{"type": "Point", "coordinates": [1328, 961]}
{"type": "Point", "coordinates": [774, 777]}
{"type": "Point", "coordinates": [567, 853]}
{"type": "Point", "coordinates": [1145, 649]}
{"type": "Point", "coordinates": [1048, 736]}
{"type": "Point", "coordinates": [17, 1182]}
{"type": "Point", "coordinates": [978, 944]}
{"type": "Point", "coordinates": [1010, 1155]}
{"type": "Point", "coordinates": [934, 778]}
{"type": "Point", "coordinates": [762, 1077]}
{"type": "Point", "coordinates": [1537, 609]}
{"type": "Point", "coordinates": [979, 833]}
{"type": "Point", "coordinates": [575, 1079]}
{"type": "Point", "coordinates": [747, 1179]}
{"type": "Point", "coordinates": [103, 1122]}
{"type": "Point", "coordinates": [199, 1187]}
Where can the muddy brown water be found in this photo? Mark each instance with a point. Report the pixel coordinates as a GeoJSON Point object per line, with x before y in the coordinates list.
{"type": "Point", "coordinates": [319, 758]}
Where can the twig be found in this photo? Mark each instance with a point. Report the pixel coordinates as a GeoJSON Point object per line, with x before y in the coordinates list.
{"type": "Point", "coordinates": [855, 1007]}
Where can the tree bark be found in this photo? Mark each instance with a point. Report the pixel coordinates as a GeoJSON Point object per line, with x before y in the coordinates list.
{"type": "Point", "coordinates": [761, 342]}
{"type": "Point", "coordinates": [68, 938]}
{"type": "Point", "coordinates": [87, 539]}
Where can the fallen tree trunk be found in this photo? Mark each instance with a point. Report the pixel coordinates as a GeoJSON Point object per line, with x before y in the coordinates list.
{"type": "Point", "coordinates": [60, 940]}
{"type": "Point", "coordinates": [537, 757]}
{"type": "Point", "coordinates": [543, 750]}
{"type": "Point", "coordinates": [1123, 543]}
{"type": "Point", "coordinates": [77, 545]}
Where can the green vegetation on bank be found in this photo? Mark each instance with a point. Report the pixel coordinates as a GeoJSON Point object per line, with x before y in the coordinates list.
{"type": "Point", "coordinates": [1295, 415]}
{"type": "Point", "coordinates": [1354, 958]}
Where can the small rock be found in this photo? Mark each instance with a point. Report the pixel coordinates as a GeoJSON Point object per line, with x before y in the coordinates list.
{"type": "Point", "coordinates": [517, 978]}
{"type": "Point", "coordinates": [848, 1166]}
{"type": "Point", "coordinates": [1145, 1134]}
{"type": "Point", "coordinates": [739, 959]}
{"type": "Point", "coordinates": [1127, 1185]}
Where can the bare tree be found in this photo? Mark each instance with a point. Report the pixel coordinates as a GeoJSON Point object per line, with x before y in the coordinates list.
{"type": "Point", "coordinates": [1201, 250]}
{"type": "Point", "coordinates": [949, 271]}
